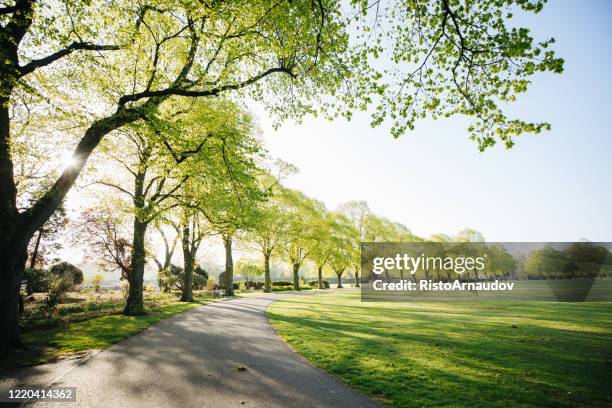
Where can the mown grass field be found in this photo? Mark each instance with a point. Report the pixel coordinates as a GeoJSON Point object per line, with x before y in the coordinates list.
{"type": "Point", "coordinates": [456, 354]}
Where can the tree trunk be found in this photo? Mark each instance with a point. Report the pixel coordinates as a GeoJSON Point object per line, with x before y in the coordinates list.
{"type": "Point", "coordinates": [339, 276]}
{"type": "Point", "coordinates": [35, 252]}
{"type": "Point", "coordinates": [188, 259]}
{"type": "Point", "coordinates": [357, 279]}
{"type": "Point", "coordinates": [296, 276]}
{"type": "Point", "coordinates": [12, 270]}
{"type": "Point", "coordinates": [320, 276]}
{"type": "Point", "coordinates": [267, 279]}
{"type": "Point", "coordinates": [29, 288]}
{"type": "Point", "coordinates": [13, 236]}
{"type": "Point", "coordinates": [135, 301]}
{"type": "Point", "coordinates": [229, 266]}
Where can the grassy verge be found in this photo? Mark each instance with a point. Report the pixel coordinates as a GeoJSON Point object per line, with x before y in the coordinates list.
{"type": "Point", "coordinates": [95, 333]}
{"type": "Point", "coordinates": [456, 354]}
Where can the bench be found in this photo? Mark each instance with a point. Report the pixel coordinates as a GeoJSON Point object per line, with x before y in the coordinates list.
{"type": "Point", "coordinates": [218, 293]}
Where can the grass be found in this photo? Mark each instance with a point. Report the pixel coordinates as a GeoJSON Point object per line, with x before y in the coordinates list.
{"type": "Point", "coordinates": [95, 333]}
{"type": "Point", "coordinates": [488, 354]}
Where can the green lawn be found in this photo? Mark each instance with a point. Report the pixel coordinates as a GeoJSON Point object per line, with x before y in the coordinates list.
{"type": "Point", "coordinates": [456, 354]}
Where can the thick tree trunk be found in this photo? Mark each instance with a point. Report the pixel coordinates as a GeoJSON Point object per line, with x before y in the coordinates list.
{"type": "Point", "coordinates": [13, 236]}
{"type": "Point", "coordinates": [229, 266]}
{"type": "Point", "coordinates": [267, 279]}
{"type": "Point", "coordinates": [339, 276]}
{"type": "Point", "coordinates": [320, 277]}
{"type": "Point", "coordinates": [135, 302]}
{"type": "Point", "coordinates": [10, 282]}
{"type": "Point", "coordinates": [187, 295]}
{"type": "Point", "coordinates": [296, 276]}
{"type": "Point", "coordinates": [357, 284]}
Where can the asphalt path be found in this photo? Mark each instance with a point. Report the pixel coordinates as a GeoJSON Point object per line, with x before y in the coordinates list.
{"type": "Point", "coordinates": [225, 354]}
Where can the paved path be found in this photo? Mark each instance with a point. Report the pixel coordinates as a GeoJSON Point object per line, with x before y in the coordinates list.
{"type": "Point", "coordinates": [224, 354]}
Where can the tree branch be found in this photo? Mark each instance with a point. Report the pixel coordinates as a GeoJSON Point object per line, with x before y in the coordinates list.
{"type": "Point", "coordinates": [210, 92]}
{"type": "Point", "coordinates": [39, 63]}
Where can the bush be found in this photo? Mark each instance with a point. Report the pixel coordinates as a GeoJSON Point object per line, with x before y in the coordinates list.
{"type": "Point", "coordinates": [199, 282]}
{"type": "Point", "coordinates": [96, 282]}
{"type": "Point", "coordinates": [249, 284]}
{"type": "Point", "coordinates": [315, 284]}
{"type": "Point", "coordinates": [67, 270]}
{"type": "Point", "coordinates": [211, 284]}
{"type": "Point", "coordinates": [282, 283]}
{"type": "Point", "coordinates": [279, 288]}
{"type": "Point", "coordinates": [125, 288]}
{"type": "Point", "coordinates": [170, 279]}
{"type": "Point", "coordinates": [37, 280]}
{"type": "Point", "coordinates": [221, 284]}
{"type": "Point", "coordinates": [58, 288]}
{"type": "Point", "coordinates": [173, 277]}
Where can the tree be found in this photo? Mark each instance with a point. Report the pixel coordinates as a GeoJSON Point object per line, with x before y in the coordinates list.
{"type": "Point", "coordinates": [269, 230]}
{"type": "Point", "coordinates": [175, 48]}
{"type": "Point", "coordinates": [450, 57]}
{"type": "Point", "coordinates": [68, 271]}
{"type": "Point", "coordinates": [357, 212]}
{"type": "Point", "coordinates": [248, 269]}
{"type": "Point", "coordinates": [344, 251]}
{"type": "Point", "coordinates": [193, 231]}
{"type": "Point", "coordinates": [288, 54]}
{"type": "Point", "coordinates": [104, 233]}
{"type": "Point", "coordinates": [322, 251]}
{"type": "Point", "coordinates": [299, 238]}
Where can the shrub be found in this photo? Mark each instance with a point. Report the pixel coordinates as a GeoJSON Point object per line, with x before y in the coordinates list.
{"type": "Point", "coordinates": [199, 282]}
{"type": "Point", "coordinates": [249, 284]}
{"type": "Point", "coordinates": [170, 279]}
{"type": "Point", "coordinates": [210, 283]}
{"type": "Point", "coordinates": [125, 288]}
{"type": "Point", "coordinates": [96, 282]}
{"type": "Point", "coordinates": [315, 284]}
{"type": "Point", "coordinates": [37, 280]}
{"type": "Point", "coordinates": [58, 288]}
{"type": "Point", "coordinates": [65, 269]}
{"type": "Point", "coordinates": [279, 288]}
{"type": "Point", "coordinates": [241, 286]}
{"type": "Point", "coordinates": [282, 283]}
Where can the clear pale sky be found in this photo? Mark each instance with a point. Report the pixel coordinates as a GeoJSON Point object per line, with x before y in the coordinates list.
{"type": "Point", "coordinates": [556, 186]}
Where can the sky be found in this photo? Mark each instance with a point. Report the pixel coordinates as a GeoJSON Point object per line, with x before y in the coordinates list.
{"type": "Point", "coordinates": [556, 186]}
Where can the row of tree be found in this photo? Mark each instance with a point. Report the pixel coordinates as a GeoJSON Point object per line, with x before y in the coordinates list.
{"type": "Point", "coordinates": [82, 77]}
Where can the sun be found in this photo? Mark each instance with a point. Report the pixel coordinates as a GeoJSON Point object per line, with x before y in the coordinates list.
{"type": "Point", "coordinates": [69, 161]}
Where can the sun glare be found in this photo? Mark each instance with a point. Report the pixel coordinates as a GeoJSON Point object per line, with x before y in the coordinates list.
{"type": "Point", "coordinates": [69, 161]}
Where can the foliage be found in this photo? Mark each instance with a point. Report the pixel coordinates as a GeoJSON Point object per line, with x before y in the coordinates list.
{"type": "Point", "coordinates": [59, 287]}
{"type": "Point", "coordinates": [73, 275]}
{"type": "Point", "coordinates": [315, 284]}
{"type": "Point", "coordinates": [442, 58]}
{"type": "Point", "coordinates": [37, 280]}
{"type": "Point", "coordinates": [96, 281]}
{"type": "Point", "coordinates": [248, 269]}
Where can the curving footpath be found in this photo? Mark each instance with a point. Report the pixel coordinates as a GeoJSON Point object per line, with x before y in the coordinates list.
{"type": "Point", "coordinates": [224, 354]}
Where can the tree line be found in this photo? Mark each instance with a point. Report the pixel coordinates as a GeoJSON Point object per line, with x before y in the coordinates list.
{"type": "Point", "coordinates": [82, 78]}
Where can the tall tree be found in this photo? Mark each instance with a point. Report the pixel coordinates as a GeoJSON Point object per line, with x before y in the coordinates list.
{"type": "Point", "coordinates": [357, 212]}
{"type": "Point", "coordinates": [300, 238]}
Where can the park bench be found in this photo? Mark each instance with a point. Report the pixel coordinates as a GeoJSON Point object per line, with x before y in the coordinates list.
{"type": "Point", "coordinates": [218, 293]}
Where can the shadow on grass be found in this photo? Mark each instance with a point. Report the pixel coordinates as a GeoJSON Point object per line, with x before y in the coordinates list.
{"type": "Point", "coordinates": [420, 354]}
